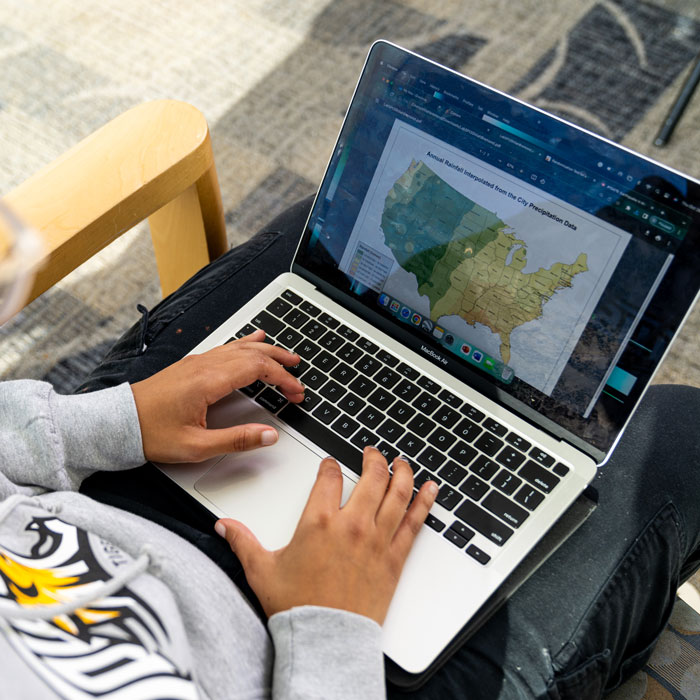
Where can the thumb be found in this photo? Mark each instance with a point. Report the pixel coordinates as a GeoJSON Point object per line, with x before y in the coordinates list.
{"type": "Point", "coordinates": [239, 438]}
{"type": "Point", "coordinates": [244, 544]}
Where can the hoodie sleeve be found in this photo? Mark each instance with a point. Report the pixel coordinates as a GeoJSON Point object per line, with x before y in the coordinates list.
{"type": "Point", "coordinates": [323, 653]}
{"type": "Point", "coordinates": [49, 441]}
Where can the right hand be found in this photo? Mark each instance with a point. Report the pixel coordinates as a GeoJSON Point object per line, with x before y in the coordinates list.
{"type": "Point", "coordinates": [348, 558]}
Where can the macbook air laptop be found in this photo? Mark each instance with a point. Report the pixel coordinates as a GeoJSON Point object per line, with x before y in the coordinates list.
{"type": "Point", "coordinates": [481, 287]}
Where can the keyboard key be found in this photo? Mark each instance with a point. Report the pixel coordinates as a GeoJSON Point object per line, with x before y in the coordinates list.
{"type": "Point", "coordinates": [489, 444]}
{"type": "Point", "coordinates": [307, 349]}
{"type": "Point", "coordinates": [390, 430]}
{"type": "Point", "coordinates": [370, 417]}
{"type": "Point", "coordinates": [434, 523]}
{"type": "Point", "coordinates": [518, 441]}
{"type": "Point", "coordinates": [449, 398]}
{"type": "Point", "coordinates": [495, 427]}
{"type": "Point", "coordinates": [279, 307]}
{"type": "Point", "coordinates": [428, 384]}
{"type": "Point", "coordinates": [310, 401]}
{"type": "Point", "coordinates": [452, 473]}
{"type": "Point", "coordinates": [350, 353]}
{"type": "Point", "coordinates": [560, 469]}
{"type": "Point", "coordinates": [541, 457]}
{"type": "Point", "coordinates": [289, 338]}
{"type": "Point", "coordinates": [474, 487]}
{"type": "Point", "coordinates": [467, 430]}
{"type": "Point", "coordinates": [421, 426]}
{"type": "Point", "coordinates": [331, 341]}
{"type": "Point", "coordinates": [313, 329]}
{"type": "Point", "coordinates": [271, 400]}
{"type": "Point", "coordinates": [484, 467]}
{"type": "Point", "coordinates": [387, 377]}
{"type": "Point", "coordinates": [345, 426]}
{"type": "Point", "coordinates": [253, 389]}
{"type": "Point", "coordinates": [381, 399]}
{"type": "Point", "coordinates": [442, 439]}
{"type": "Point", "coordinates": [344, 373]}
{"type": "Point", "coordinates": [431, 458]}
{"type": "Point", "coordinates": [529, 497]}
{"type": "Point", "coordinates": [309, 308]}
{"type": "Point", "coordinates": [367, 365]}
{"type": "Point", "coordinates": [331, 443]}
{"type": "Point", "coordinates": [485, 523]}
{"type": "Point", "coordinates": [332, 391]}
{"type": "Point", "coordinates": [446, 416]}
{"type": "Point", "coordinates": [328, 320]}
{"type": "Point", "coordinates": [538, 476]}
{"type": "Point", "coordinates": [410, 445]}
{"type": "Point", "coordinates": [351, 404]}
{"type": "Point", "coordinates": [426, 403]}
{"type": "Point", "coordinates": [505, 509]}
{"type": "Point", "coordinates": [478, 554]}
{"type": "Point", "coordinates": [510, 458]}
{"type": "Point", "coordinates": [472, 413]}
{"type": "Point", "coordinates": [463, 453]}
{"type": "Point", "coordinates": [389, 451]}
{"type": "Point", "coordinates": [296, 318]}
{"type": "Point", "coordinates": [362, 386]}
{"type": "Point", "coordinates": [447, 497]}
{"type": "Point", "coordinates": [423, 476]}
{"type": "Point", "coordinates": [314, 378]}
{"type": "Point", "coordinates": [462, 530]}
{"type": "Point", "coordinates": [364, 438]}
{"type": "Point", "coordinates": [271, 325]}
{"type": "Point", "coordinates": [407, 390]}
{"type": "Point", "coordinates": [348, 333]}
{"type": "Point", "coordinates": [387, 358]}
{"type": "Point", "coordinates": [401, 412]}
{"type": "Point", "coordinates": [408, 371]}
{"type": "Point", "coordinates": [506, 482]}
{"type": "Point", "coordinates": [325, 361]}
{"type": "Point", "coordinates": [367, 345]}
{"type": "Point", "coordinates": [246, 330]}
{"type": "Point", "coordinates": [291, 297]}
{"type": "Point", "coordinates": [455, 538]}
{"type": "Point", "coordinates": [299, 369]}
{"type": "Point", "coordinates": [326, 412]}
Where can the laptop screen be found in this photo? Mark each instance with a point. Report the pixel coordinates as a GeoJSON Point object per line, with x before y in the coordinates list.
{"type": "Point", "coordinates": [545, 266]}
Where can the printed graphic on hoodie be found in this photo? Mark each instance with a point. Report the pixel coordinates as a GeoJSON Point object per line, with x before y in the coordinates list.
{"type": "Point", "coordinates": [109, 644]}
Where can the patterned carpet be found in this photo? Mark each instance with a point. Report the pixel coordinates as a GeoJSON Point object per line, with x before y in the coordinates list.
{"type": "Point", "coordinates": [273, 79]}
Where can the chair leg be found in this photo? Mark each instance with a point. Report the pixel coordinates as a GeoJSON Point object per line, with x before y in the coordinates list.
{"type": "Point", "coordinates": [188, 232]}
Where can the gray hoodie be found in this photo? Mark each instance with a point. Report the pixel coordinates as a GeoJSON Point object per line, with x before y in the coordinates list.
{"type": "Point", "coordinates": [97, 602]}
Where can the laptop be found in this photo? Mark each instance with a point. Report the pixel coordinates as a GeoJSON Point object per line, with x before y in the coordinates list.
{"type": "Point", "coordinates": [480, 286]}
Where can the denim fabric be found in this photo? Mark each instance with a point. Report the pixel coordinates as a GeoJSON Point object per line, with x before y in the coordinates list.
{"type": "Point", "coordinates": [584, 622]}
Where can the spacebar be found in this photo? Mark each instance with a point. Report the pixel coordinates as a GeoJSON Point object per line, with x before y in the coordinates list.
{"type": "Point", "coordinates": [328, 441]}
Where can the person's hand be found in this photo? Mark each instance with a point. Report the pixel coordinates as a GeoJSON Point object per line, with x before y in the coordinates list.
{"type": "Point", "coordinates": [348, 558]}
{"type": "Point", "coordinates": [172, 404]}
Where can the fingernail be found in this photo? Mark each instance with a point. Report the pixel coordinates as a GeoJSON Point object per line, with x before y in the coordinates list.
{"type": "Point", "coordinates": [432, 488]}
{"type": "Point", "coordinates": [220, 529]}
{"type": "Point", "coordinates": [404, 458]}
{"type": "Point", "coordinates": [268, 437]}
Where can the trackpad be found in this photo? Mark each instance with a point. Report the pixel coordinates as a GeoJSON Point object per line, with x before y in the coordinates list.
{"type": "Point", "coordinates": [266, 489]}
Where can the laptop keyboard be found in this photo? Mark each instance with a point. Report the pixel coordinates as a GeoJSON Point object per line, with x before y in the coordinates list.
{"type": "Point", "coordinates": [490, 477]}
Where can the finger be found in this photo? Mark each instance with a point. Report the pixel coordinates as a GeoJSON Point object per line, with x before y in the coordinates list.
{"type": "Point", "coordinates": [239, 438]}
{"type": "Point", "coordinates": [413, 520]}
{"type": "Point", "coordinates": [397, 498]}
{"type": "Point", "coordinates": [244, 544]}
{"type": "Point", "coordinates": [371, 487]}
{"type": "Point", "coordinates": [327, 491]}
{"type": "Point", "coordinates": [276, 352]}
{"type": "Point", "coordinates": [256, 336]}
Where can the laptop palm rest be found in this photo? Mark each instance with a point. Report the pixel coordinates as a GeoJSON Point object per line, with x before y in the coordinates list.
{"type": "Point", "coordinates": [267, 488]}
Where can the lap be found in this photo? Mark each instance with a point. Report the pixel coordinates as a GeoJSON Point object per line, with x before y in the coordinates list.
{"type": "Point", "coordinates": [583, 621]}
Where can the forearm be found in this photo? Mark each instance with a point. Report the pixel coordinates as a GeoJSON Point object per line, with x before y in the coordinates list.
{"type": "Point", "coordinates": [53, 442]}
{"type": "Point", "coordinates": [326, 653]}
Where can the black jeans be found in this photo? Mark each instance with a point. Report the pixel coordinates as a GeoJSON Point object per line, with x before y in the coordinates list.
{"type": "Point", "coordinates": [584, 622]}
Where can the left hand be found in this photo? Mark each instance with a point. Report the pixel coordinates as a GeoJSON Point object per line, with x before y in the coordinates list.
{"type": "Point", "coordinates": [172, 404]}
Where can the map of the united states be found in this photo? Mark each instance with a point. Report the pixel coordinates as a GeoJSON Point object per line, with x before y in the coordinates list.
{"type": "Point", "coordinates": [464, 257]}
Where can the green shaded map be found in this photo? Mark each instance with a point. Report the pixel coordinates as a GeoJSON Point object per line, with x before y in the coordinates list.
{"type": "Point", "coordinates": [463, 258]}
